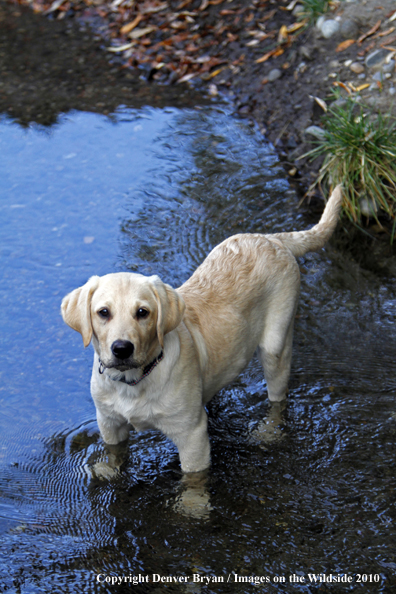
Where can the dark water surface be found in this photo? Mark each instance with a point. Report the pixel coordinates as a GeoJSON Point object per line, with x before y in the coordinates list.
{"type": "Point", "coordinates": [306, 490]}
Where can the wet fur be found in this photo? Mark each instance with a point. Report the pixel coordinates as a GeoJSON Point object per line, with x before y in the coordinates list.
{"type": "Point", "coordinates": [243, 297]}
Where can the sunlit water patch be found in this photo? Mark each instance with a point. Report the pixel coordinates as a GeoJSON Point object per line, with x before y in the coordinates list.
{"type": "Point", "coordinates": [307, 489]}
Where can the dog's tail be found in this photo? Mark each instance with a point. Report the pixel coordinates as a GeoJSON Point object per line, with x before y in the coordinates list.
{"type": "Point", "coordinates": [301, 242]}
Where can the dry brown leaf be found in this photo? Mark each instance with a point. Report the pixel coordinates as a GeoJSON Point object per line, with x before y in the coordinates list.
{"type": "Point", "coordinates": [130, 26]}
{"type": "Point", "coordinates": [187, 77]}
{"type": "Point", "coordinates": [282, 35]}
{"type": "Point", "coordinates": [141, 32]}
{"type": "Point", "coordinates": [341, 84]}
{"type": "Point", "coordinates": [296, 27]}
{"type": "Point", "coordinates": [320, 102]}
{"type": "Point", "coordinates": [275, 52]}
{"type": "Point", "coordinates": [385, 33]}
{"type": "Point", "coordinates": [151, 9]}
{"type": "Point", "coordinates": [214, 73]}
{"type": "Point", "coordinates": [367, 49]}
{"type": "Point", "coordinates": [362, 87]}
{"type": "Point", "coordinates": [371, 32]}
{"type": "Point", "coordinates": [203, 6]}
{"type": "Point", "coordinates": [344, 45]}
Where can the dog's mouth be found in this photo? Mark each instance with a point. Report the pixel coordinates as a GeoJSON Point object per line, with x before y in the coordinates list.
{"type": "Point", "coordinates": [126, 365]}
{"type": "Point", "coordinates": [120, 365]}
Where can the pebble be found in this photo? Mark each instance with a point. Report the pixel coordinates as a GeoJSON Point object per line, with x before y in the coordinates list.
{"type": "Point", "coordinates": [319, 22]}
{"type": "Point", "coordinates": [349, 29]}
{"type": "Point", "coordinates": [330, 28]}
{"type": "Point", "coordinates": [298, 9]}
{"type": "Point", "coordinates": [274, 74]}
{"type": "Point", "coordinates": [388, 66]}
{"type": "Point", "coordinates": [315, 131]}
{"type": "Point", "coordinates": [356, 67]}
{"type": "Point", "coordinates": [377, 59]}
{"type": "Point", "coordinates": [368, 207]}
{"type": "Point", "coordinates": [378, 76]}
{"type": "Point", "coordinates": [305, 52]}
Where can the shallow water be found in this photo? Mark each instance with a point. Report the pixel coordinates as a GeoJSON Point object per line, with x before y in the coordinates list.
{"type": "Point", "coordinates": [306, 490]}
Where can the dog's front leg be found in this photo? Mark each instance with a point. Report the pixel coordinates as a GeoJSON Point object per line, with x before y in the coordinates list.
{"type": "Point", "coordinates": [192, 442]}
{"type": "Point", "coordinates": [113, 428]}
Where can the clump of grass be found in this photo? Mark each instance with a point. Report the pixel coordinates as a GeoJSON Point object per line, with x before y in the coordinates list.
{"type": "Point", "coordinates": [360, 152]}
{"type": "Point", "coordinates": [312, 9]}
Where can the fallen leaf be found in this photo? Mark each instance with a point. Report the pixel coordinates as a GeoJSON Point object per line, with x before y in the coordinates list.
{"type": "Point", "coordinates": [214, 73]}
{"type": "Point", "coordinates": [130, 26]}
{"type": "Point", "coordinates": [273, 53]}
{"type": "Point", "coordinates": [291, 5]}
{"type": "Point", "coordinates": [344, 45]}
{"type": "Point", "coordinates": [269, 15]}
{"type": "Point", "coordinates": [371, 32]}
{"type": "Point", "coordinates": [187, 77]}
{"type": "Point", "coordinates": [204, 5]}
{"type": "Point", "coordinates": [320, 102]}
{"type": "Point", "coordinates": [141, 32]}
{"type": "Point", "coordinates": [385, 33]}
{"type": "Point", "coordinates": [340, 84]}
{"type": "Point", "coordinates": [282, 35]}
{"type": "Point", "coordinates": [362, 87]}
{"type": "Point", "coordinates": [120, 48]}
{"type": "Point", "coordinates": [365, 50]}
{"type": "Point", "coordinates": [54, 6]}
{"type": "Point", "coordinates": [296, 27]}
{"type": "Point", "coordinates": [393, 17]}
{"type": "Point", "coordinates": [154, 9]}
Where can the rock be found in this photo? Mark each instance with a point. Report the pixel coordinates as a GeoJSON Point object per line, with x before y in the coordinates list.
{"type": "Point", "coordinates": [330, 28]}
{"type": "Point", "coordinates": [315, 131]}
{"type": "Point", "coordinates": [298, 9]}
{"type": "Point", "coordinates": [392, 91]}
{"type": "Point", "coordinates": [274, 74]}
{"type": "Point", "coordinates": [377, 59]}
{"type": "Point", "coordinates": [378, 76]}
{"type": "Point", "coordinates": [319, 22]}
{"type": "Point", "coordinates": [389, 66]}
{"type": "Point", "coordinates": [357, 67]}
{"type": "Point", "coordinates": [349, 29]}
{"type": "Point", "coordinates": [305, 52]}
{"type": "Point", "coordinates": [368, 207]}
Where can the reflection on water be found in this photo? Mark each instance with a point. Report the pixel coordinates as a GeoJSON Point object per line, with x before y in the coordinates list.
{"type": "Point", "coordinates": [307, 489]}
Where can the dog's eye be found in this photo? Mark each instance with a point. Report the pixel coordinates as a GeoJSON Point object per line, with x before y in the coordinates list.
{"type": "Point", "coordinates": [142, 313]}
{"type": "Point", "coordinates": [104, 313]}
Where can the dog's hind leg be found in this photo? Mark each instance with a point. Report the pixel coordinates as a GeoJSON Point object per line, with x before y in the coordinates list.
{"type": "Point", "coordinates": [276, 362]}
{"type": "Point", "coordinates": [275, 348]}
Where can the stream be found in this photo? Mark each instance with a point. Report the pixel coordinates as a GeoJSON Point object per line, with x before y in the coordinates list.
{"type": "Point", "coordinates": [293, 496]}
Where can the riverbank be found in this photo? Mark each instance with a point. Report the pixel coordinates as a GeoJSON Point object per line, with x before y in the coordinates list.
{"type": "Point", "coordinates": [275, 71]}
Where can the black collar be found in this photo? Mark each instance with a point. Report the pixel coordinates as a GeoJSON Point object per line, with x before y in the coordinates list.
{"type": "Point", "coordinates": [146, 371]}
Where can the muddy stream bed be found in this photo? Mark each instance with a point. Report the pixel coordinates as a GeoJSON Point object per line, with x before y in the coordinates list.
{"type": "Point", "coordinates": [293, 496]}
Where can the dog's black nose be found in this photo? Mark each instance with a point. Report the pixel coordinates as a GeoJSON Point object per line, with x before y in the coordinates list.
{"type": "Point", "coordinates": [122, 349]}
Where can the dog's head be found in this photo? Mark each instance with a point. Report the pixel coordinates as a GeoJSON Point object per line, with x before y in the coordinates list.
{"type": "Point", "coordinates": [126, 315]}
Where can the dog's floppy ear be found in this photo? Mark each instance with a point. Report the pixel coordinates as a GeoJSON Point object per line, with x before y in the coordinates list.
{"type": "Point", "coordinates": [76, 309]}
{"type": "Point", "coordinates": [170, 308]}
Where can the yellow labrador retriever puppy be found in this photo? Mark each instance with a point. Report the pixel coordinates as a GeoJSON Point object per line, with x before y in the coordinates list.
{"type": "Point", "coordinates": [162, 353]}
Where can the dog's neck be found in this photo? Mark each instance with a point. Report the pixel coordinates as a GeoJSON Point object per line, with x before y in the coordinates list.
{"type": "Point", "coordinates": [145, 372]}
